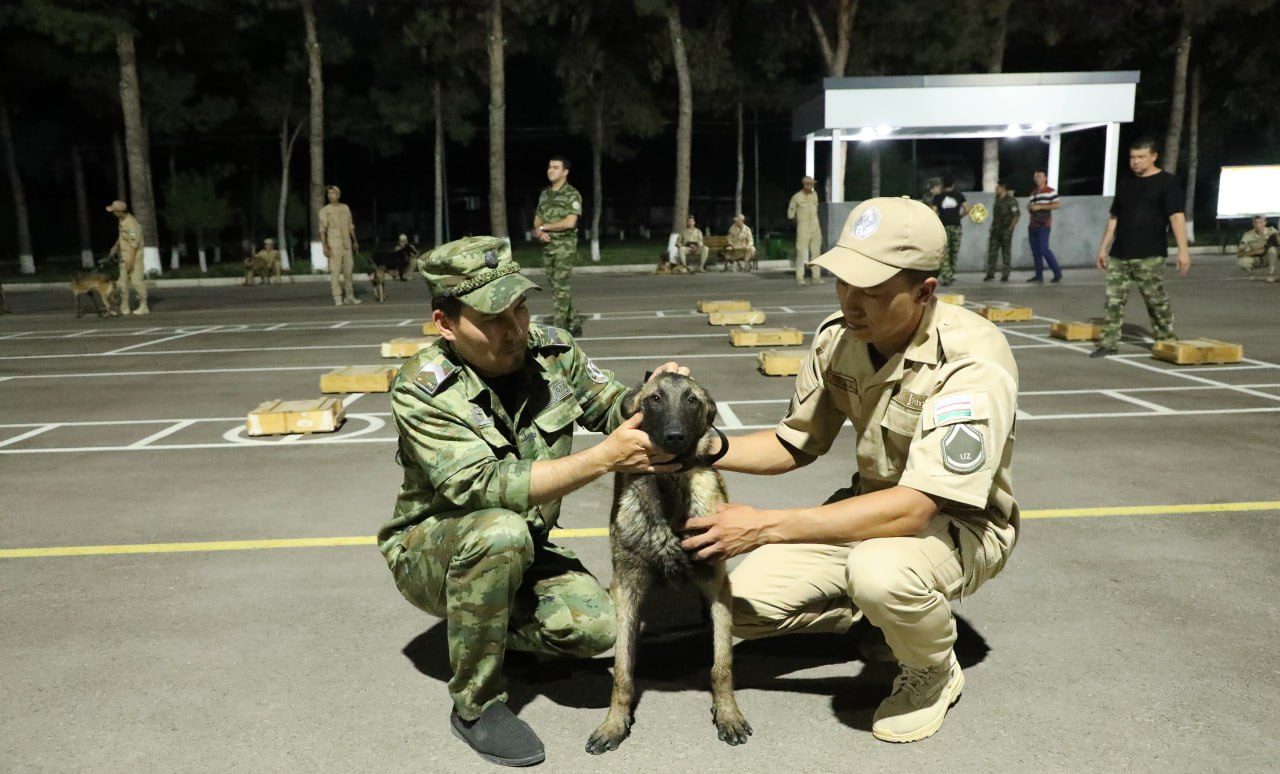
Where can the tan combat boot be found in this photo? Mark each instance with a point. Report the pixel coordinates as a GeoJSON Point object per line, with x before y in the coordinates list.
{"type": "Point", "coordinates": [124, 307]}
{"type": "Point", "coordinates": [142, 309]}
{"type": "Point", "coordinates": [919, 702]}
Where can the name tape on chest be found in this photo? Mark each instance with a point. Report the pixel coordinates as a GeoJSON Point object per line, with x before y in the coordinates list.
{"type": "Point", "coordinates": [840, 381]}
{"type": "Point", "coordinates": [909, 400]}
{"type": "Point", "coordinates": [480, 418]}
{"type": "Point", "coordinates": [559, 391]}
{"type": "Point", "coordinates": [952, 407]}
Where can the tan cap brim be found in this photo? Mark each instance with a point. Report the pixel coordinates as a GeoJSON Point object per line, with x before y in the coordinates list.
{"type": "Point", "coordinates": [855, 268]}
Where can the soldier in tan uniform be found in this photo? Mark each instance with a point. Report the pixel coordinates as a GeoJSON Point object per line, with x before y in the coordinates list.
{"type": "Point", "coordinates": [742, 245]}
{"type": "Point", "coordinates": [129, 247]}
{"type": "Point", "coordinates": [1259, 246]}
{"type": "Point", "coordinates": [265, 263]}
{"type": "Point", "coordinates": [338, 239]}
{"type": "Point", "coordinates": [931, 392]}
{"type": "Point", "coordinates": [690, 243]}
{"type": "Point", "coordinates": [803, 209]}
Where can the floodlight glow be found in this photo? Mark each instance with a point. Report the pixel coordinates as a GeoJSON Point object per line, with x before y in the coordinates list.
{"type": "Point", "coordinates": [1012, 130]}
{"type": "Point", "coordinates": [866, 134]}
{"type": "Point", "coordinates": [883, 130]}
{"type": "Point", "coordinates": [1246, 191]}
{"type": "Point", "coordinates": [1040, 127]}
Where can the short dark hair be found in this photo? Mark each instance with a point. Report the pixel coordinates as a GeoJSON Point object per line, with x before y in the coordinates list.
{"type": "Point", "coordinates": [1039, 171]}
{"type": "Point", "coordinates": [916, 276]}
{"type": "Point", "coordinates": [563, 162]}
{"type": "Point", "coordinates": [1144, 143]}
{"type": "Point", "coordinates": [1003, 184]}
{"type": "Point", "coordinates": [449, 306]}
{"type": "Point", "coordinates": [948, 181]}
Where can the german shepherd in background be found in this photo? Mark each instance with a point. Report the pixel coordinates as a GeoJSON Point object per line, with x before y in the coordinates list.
{"type": "Point", "coordinates": [649, 512]}
{"type": "Point", "coordinates": [88, 283]}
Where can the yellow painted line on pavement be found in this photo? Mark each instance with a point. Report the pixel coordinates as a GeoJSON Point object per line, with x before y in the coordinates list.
{"type": "Point", "coordinates": [589, 532]}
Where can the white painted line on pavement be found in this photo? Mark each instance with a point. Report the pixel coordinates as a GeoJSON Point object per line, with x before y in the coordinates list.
{"type": "Point", "coordinates": [28, 434]}
{"type": "Point", "coordinates": [727, 415]}
{"type": "Point", "coordinates": [165, 433]}
{"type": "Point", "coordinates": [123, 350]}
{"type": "Point", "coordinates": [1156, 407]}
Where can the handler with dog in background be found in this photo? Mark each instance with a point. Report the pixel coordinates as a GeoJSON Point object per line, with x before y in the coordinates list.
{"type": "Point", "coordinates": [931, 391]}
{"type": "Point", "coordinates": [485, 418]}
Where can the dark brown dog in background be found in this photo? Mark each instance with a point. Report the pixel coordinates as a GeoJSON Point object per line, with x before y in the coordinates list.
{"type": "Point", "coordinates": [649, 512]}
{"type": "Point", "coordinates": [86, 283]}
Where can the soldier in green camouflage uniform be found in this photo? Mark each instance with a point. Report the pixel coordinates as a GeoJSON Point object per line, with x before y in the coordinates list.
{"type": "Point", "coordinates": [485, 418]}
{"type": "Point", "coordinates": [1004, 218]}
{"type": "Point", "coordinates": [556, 226]}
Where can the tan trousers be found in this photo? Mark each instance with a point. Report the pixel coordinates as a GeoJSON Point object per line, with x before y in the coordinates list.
{"type": "Point", "coordinates": [135, 277]}
{"type": "Point", "coordinates": [341, 266]}
{"type": "Point", "coordinates": [700, 251]}
{"type": "Point", "coordinates": [808, 246]}
{"type": "Point", "coordinates": [902, 585]}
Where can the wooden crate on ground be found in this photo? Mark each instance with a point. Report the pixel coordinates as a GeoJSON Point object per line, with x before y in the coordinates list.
{"type": "Point", "coordinates": [429, 329]}
{"type": "Point", "coordinates": [1197, 351]}
{"type": "Point", "coordinates": [951, 298]}
{"type": "Point", "coordinates": [765, 337]}
{"type": "Point", "coordinates": [1005, 312]}
{"type": "Point", "coordinates": [750, 317]}
{"type": "Point", "coordinates": [1076, 331]}
{"type": "Point", "coordinates": [736, 305]}
{"type": "Point", "coordinates": [407, 347]}
{"type": "Point", "coordinates": [359, 379]}
{"type": "Point", "coordinates": [775, 363]}
{"type": "Point", "coordinates": [279, 417]}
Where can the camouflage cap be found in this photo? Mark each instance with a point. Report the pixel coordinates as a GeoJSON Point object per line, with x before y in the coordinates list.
{"type": "Point", "coordinates": [479, 271]}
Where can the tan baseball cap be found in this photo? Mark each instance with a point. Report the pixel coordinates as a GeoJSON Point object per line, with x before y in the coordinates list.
{"type": "Point", "coordinates": [883, 236]}
{"type": "Point", "coordinates": [117, 206]}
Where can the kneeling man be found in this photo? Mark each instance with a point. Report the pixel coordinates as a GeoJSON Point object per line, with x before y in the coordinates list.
{"type": "Point", "coordinates": [931, 392]}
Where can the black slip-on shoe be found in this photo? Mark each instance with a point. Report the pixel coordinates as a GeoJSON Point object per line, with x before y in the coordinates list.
{"type": "Point", "coordinates": [1036, 279]}
{"type": "Point", "coordinates": [1056, 279]}
{"type": "Point", "coordinates": [1102, 352]}
{"type": "Point", "coordinates": [500, 737]}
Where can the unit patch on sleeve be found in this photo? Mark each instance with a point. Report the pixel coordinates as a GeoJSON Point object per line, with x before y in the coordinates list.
{"type": "Point", "coordinates": [595, 373]}
{"type": "Point", "coordinates": [963, 450]}
{"type": "Point", "coordinates": [952, 407]}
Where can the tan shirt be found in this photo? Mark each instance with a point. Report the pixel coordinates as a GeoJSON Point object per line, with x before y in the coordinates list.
{"type": "Point", "coordinates": [129, 240]}
{"type": "Point", "coordinates": [336, 225]}
{"type": "Point", "coordinates": [803, 207]}
{"type": "Point", "coordinates": [938, 417]}
{"type": "Point", "coordinates": [690, 237]}
{"type": "Point", "coordinates": [740, 237]}
{"type": "Point", "coordinates": [1253, 242]}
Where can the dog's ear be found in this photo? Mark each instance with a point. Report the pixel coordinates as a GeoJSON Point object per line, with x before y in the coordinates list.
{"type": "Point", "coordinates": [630, 403]}
{"type": "Point", "coordinates": [711, 411]}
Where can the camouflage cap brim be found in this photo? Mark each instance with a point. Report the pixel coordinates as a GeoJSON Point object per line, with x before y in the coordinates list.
{"type": "Point", "coordinates": [496, 296]}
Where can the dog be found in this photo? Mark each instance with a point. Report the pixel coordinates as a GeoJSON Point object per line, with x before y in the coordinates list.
{"type": "Point", "coordinates": [649, 513]}
{"type": "Point", "coordinates": [86, 283]}
{"type": "Point", "coordinates": [385, 263]}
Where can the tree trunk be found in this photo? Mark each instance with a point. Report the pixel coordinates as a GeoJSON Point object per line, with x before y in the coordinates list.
{"type": "Point", "coordinates": [991, 146]}
{"type": "Point", "coordinates": [836, 59]}
{"type": "Point", "coordinates": [315, 79]}
{"type": "Point", "coordinates": [122, 187]}
{"type": "Point", "coordinates": [26, 259]}
{"type": "Point", "coordinates": [204, 264]}
{"type": "Point", "coordinates": [1178, 103]}
{"type": "Point", "coordinates": [497, 124]}
{"type": "Point", "coordinates": [684, 128]}
{"type": "Point", "coordinates": [875, 169]}
{"type": "Point", "coordinates": [287, 140]}
{"type": "Point", "coordinates": [737, 191]}
{"type": "Point", "coordinates": [135, 150]}
{"type": "Point", "coordinates": [1193, 153]}
{"type": "Point", "coordinates": [173, 235]}
{"type": "Point", "coordinates": [153, 237]}
{"type": "Point", "coordinates": [82, 209]}
{"type": "Point", "coordinates": [597, 177]}
{"type": "Point", "coordinates": [438, 148]}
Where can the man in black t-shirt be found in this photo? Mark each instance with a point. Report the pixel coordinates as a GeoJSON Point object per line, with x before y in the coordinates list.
{"type": "Point", "coordinates": [1135, 245]}
{"type": "Point", "coordinates": [951, 207]}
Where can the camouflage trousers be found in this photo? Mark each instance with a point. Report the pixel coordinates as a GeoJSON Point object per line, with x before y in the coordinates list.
{"type": "Point", "coordinates": [1000, 242]}
{"type": "Point", "coordinates": [1148, 273]}
{"type": "Point", "coordinates": [948, 273]}
{"type": "Point", "coordinates": [558, 257]}
{"type": "Point", "coordinates": [497, 587]}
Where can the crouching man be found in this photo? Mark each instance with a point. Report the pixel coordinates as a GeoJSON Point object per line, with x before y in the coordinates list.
{"type": "Point", "coordinates": [485, 418]}
{"type": "Point", "coordinates": [931, 392]}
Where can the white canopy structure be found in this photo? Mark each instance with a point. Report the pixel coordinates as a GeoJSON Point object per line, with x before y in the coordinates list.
{"type": "Point", "coordinates": [930, 107]}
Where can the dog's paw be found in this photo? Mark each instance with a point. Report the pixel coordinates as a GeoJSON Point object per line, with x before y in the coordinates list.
{"type": "Point", "coordinates": [731, 727]}
{"type": "Point", "coordinates": [609, 735]}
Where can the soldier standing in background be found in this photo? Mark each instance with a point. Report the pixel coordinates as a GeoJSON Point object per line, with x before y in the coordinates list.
{"type": "Point", "coordinates": [338, 239]}
{"type": "Point", "coordinates": [1004, 218]}
{"type": "Point", "coordinates": [803, 210]}
{"type": "Point", "coordinates": [1135, 244]}
{"type": "Point", "coordinates": [555, 224]}
{"type": "Point", "coordinates": [129, 247]}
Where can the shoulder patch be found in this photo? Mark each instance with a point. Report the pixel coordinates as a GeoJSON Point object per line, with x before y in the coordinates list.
{"type": "Point", "coordinates": [963, 449]}
{"type": "Point", "coordinates": [550, 337]}
{"type": "Point", "coordinates": [434, 374]}
{"type": "Point", "coordinates": [595, 373]}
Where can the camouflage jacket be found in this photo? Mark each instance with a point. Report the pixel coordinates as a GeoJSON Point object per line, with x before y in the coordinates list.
{"type": "Point", "coordinates": [556, 205]}
{"type": "Point", "coordinates": [460, 450]}
{"type": "Point", "coordinates": [1004, 213]}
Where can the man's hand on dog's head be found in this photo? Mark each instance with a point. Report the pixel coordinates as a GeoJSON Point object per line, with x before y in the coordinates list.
{"type": "Point", "coordinates": [733, 530]}
{"type": "Point", "coordinates": [670, 367]}
{"type": "Point", "coordinates": [629, 450]}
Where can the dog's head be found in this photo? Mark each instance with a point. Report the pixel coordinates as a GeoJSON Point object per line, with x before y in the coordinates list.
{"type": "Point", "coordinates": [678, 412]}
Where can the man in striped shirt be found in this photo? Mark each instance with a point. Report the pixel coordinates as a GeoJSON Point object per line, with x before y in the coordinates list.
{"type": "Point", "coordinates": [1043, 201]}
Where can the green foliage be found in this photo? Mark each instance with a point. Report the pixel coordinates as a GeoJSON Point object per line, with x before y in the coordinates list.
{"type": "Point", "coordinates": [192, 205]}
{"type": "Point", "coordinates": [295, 210]}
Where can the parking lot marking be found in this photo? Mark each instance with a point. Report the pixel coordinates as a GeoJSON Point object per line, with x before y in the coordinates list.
{"type": "Point", "coordinates": [29, 434]}
{"type": "Point", "coordinates": [1156, 407]}
{"type": "Point", "coordinates": [131, 347]}
{"type": "Point", "coordinates": [586, 532]}
{"type": "Point", "coordinates": [165, 433]}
